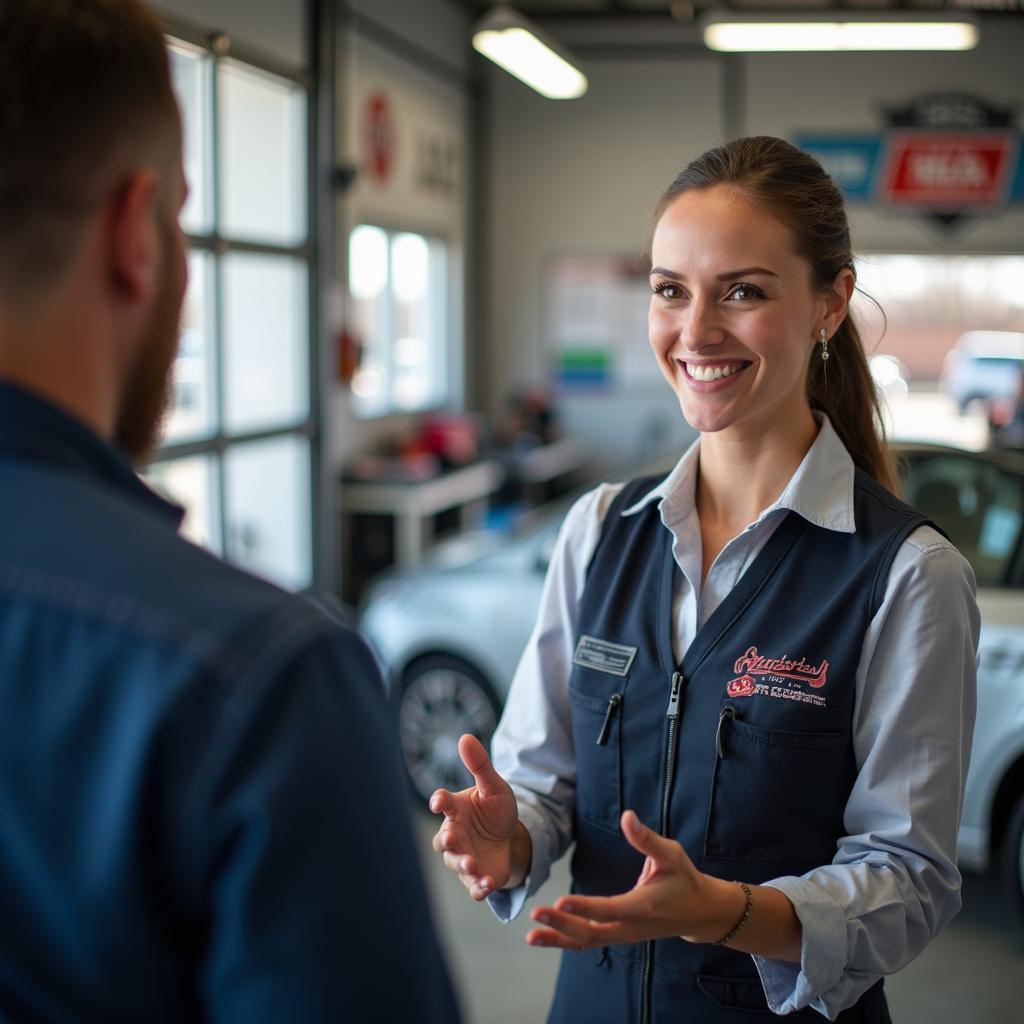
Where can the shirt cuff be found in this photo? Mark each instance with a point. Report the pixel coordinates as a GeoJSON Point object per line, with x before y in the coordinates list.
{"type": "Point", "coordinates": [818, 979]}
{"type": "Point", "coordinates": [507, 904]}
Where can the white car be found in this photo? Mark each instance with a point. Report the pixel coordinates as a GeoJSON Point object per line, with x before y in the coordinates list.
{"type": "Point", "coordinates": [985, 367]}
{"type": "Point", "coordinates": [450, 633]}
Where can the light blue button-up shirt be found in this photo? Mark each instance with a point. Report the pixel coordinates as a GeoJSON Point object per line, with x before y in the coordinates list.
{"type": "Point", "coordinates": [893, 884]}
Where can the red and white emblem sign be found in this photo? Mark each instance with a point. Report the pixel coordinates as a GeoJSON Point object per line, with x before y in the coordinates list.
{"type": "Point", "coordinates": [948, 169]}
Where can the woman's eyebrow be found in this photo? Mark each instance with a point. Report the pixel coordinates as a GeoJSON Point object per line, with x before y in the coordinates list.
{"type": "Point", "coordinates": [728, 275]}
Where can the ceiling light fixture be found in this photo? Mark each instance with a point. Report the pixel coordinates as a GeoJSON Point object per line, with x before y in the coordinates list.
{"type": "Point", "coordinates": [528, 52]}
{"type": "Point", "coordinates": [741, 31]}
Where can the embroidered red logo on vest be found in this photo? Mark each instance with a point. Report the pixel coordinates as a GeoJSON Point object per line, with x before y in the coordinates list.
{"type": "Point", "coordinates": [755, 664]}
{"type": "Point", "coordinates": [741, 687]}
{"type": "Point", "coordinates": [776, 669]}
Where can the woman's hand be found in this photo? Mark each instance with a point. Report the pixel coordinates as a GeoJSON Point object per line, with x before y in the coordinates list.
{"type": "Point", "coordinates": [670, 898]}
{"type": "Point", "coordinates": [481, 839]}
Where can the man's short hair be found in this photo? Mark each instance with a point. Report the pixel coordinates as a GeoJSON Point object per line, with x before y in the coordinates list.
{"type": "Point", "coordinates": [85, 85]}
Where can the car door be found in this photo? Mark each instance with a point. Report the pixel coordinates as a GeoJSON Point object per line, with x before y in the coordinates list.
{"type": "Point", "coordinates": [978, 499]}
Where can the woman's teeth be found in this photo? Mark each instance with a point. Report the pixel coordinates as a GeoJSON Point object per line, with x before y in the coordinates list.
{"type": "Point", "coordinates": [711, 372]}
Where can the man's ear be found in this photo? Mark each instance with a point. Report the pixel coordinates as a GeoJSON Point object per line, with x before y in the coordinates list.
{"type": "Point", "coordinates": [134, 236]}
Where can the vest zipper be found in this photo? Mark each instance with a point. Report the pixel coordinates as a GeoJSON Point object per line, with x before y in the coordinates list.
{"type": "Point", "coordinates": [613, 706]}
{"type": "Point", "coordinates": [672, 714]}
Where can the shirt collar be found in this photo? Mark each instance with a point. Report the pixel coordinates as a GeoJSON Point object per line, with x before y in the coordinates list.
{"type": "Point", "coordinates": [821, 489]}
{"type": "Point", "coordinates": [33, 429]}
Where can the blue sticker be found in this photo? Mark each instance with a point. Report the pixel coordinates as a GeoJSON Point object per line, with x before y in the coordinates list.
{"type": "Point", "coordinates": [852, 161]}
{"type": "Point", "coordinates": [1017, 178]}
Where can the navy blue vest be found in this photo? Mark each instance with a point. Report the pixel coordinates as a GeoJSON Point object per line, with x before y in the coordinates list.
{"type": "Point", "coordinates": [743, 753]}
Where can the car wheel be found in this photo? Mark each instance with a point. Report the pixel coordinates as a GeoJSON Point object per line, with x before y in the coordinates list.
{"type": "Point", "coordinates": [1012, 857]}
{"type": "Point", "coordinates": [442, 698]}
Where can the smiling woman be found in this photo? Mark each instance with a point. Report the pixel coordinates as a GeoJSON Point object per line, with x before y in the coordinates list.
{"type": "Point", "coordinates": [750, 689]}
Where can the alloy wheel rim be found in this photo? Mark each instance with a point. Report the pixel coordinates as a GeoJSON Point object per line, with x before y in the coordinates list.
{"type": "Point", "coordinates": [439, 706]}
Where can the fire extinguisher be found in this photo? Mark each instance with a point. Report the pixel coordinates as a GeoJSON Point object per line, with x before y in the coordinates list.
{"type": "Point", "coordinates": [349, 353]}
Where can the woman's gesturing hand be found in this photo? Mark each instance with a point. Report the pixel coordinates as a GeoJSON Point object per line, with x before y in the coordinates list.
{"type": "Point", "coordinates": [481, 838]}
{"type": "Point", "coordinates": [671, 897]}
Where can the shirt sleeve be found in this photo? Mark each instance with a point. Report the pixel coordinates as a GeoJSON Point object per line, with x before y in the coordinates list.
{"type": "Point", "coordinates": [532, 746]}
{"type": "Point", "coordinates": [316, 905]}
{"type": "Point", "coordinates": [893, 884]}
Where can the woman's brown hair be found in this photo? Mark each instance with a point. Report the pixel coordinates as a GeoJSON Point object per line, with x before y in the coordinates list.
{"type": "Point", "coordinates": [794, 188]}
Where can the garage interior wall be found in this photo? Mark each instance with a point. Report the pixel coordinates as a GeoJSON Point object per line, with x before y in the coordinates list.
{"type": "Point", "coordinates": [415, 54]}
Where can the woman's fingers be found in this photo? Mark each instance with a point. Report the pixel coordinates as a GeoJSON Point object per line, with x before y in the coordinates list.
{"type": "Point", "coordinates": [549, 938]}
{"type": "Point", "coordinates": [580, 932]}
{"type": "Point", "coordinates": [461, 863]}
{"type": "Point", "coordinates": [635, 905]}
{"type": "Point", "coordinates": [442, 801]}
{"type": "Point", "coordinates": [645, 839]}
{"type": "Point", "coordinates": [478, 763]}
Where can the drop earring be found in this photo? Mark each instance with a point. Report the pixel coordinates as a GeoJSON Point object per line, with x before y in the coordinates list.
{"type": "Point", "coordinates": [824, 346]}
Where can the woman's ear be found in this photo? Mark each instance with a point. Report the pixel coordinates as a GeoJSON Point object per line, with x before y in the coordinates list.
{"type": "Point", "coordinates": [837, 300]}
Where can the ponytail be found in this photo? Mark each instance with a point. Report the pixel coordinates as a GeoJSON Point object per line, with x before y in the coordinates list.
{"type": "Point", "coordinates": [844, 390]}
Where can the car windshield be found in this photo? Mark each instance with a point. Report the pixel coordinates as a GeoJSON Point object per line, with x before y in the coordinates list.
{"type": "Point", "coordinates": [978, 504]}
{"type": "Point", "coordinates": [999, 362]}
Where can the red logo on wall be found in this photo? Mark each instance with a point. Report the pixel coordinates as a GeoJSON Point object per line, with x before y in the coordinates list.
{"type": "Point", "coordinates": [948, 169]}
{"type": "Point", "coordinates": [378, 137]}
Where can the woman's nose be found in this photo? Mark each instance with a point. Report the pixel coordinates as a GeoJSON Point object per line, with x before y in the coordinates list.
{"type": "Point", "coordinates": [700, 326]}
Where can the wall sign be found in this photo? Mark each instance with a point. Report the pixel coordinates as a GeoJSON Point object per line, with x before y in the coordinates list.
{"type": "Point", "coordinates": [378, 137]}
{"type": "Point", "coordinates": [946, 155]}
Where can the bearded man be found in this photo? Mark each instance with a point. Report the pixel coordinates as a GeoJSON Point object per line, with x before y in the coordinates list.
{"type": "Point", "coordinates": [201, 806]}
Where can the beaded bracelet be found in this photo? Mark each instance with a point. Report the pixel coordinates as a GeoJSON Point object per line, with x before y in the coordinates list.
{"type": "Point", "coordinates": [743, 920]}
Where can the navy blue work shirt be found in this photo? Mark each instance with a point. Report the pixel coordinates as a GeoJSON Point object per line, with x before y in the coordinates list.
{"type": "Point", "coordinates": [202, 814]}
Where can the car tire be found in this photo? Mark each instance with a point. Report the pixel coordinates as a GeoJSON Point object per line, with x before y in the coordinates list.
{"type": "Point", "coordinates": [1012, 857]}
{"type": "Point", "coordinates": [442, 697]}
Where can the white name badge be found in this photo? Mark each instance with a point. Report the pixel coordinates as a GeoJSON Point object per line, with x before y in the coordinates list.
{"type": "Point", "coordinates": [603, 655]}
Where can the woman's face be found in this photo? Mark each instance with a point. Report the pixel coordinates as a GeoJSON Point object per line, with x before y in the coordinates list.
{"type": "Point", "coordinates": [733, 314]}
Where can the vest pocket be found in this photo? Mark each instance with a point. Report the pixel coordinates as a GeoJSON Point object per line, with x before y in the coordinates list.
{"type": "Point", "coordinates": [734, 993]}
{"type": "Point", "coordinates": [777, 795]}
{"type": "Point", "coordinates": [596, 739]}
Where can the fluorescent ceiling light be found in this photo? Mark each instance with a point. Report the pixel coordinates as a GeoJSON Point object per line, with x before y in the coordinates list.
{"type": "Point", "coordinates": [529, 53]}
{"type": "Point", "coordinates": [740, 31]}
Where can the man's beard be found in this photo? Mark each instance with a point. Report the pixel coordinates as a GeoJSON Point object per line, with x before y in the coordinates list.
{"type": "Point", "coordinates": [148, 389]}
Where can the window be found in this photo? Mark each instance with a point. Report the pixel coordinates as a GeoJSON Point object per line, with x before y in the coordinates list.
{"type": "Point", "coordinates": [238, 448]}
{"type": "Point", "coordinates": [398, 312]}
{"type": "Point", "coordinates": [979, 504]}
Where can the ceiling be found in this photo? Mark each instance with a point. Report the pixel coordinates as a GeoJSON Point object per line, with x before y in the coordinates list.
{"type": "Point", "coordinates": [653, 9]}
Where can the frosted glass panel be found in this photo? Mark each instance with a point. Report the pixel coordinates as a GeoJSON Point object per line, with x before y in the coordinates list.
{"type": "Point", "coordinates": [190, 69]}
{"type": "Point", "coordinates": [191, 483]}
{"type": "Point", "coordinates": [267, 495]}
{"type": "Point", "coordinates": [191, 412]}
{"type": "Point", "coordinates": [266, 344]}
{"type": "Point", "coordinates": [398, 294]}
{"type": "Point", "coordinates": [263, 156]}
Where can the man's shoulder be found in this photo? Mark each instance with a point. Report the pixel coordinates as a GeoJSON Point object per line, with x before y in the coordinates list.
{"type": "Point", "coordinates": [86, 549]}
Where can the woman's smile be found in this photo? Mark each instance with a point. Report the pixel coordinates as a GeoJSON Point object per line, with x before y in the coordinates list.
{"type": "Point", "coordinates": [707, 376]}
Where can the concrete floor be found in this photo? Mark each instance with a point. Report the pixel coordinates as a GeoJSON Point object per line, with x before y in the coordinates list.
{"type": "Point", "coordinates": [972, 974]}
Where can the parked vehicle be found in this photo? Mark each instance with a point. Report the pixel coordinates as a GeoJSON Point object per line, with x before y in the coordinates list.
{"type": "Point", "coordinates": [984, 367]}
{"type": "Point", "coordinates": [450, 634]}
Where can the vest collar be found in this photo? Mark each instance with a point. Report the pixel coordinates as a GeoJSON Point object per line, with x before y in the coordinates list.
{"type": "Point", "coordinates": [821, 489]}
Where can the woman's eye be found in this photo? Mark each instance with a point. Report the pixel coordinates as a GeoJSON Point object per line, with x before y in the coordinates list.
{"type": "Point", "coordinates": [744, 292]}
{"type": "Point", "coordinates": [667, 290]}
